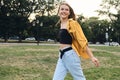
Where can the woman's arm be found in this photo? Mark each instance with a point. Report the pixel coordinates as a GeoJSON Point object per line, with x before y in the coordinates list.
{"type": "Point", "coordinates": [94, 59]}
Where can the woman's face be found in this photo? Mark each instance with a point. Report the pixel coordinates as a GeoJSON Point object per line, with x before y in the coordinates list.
{"type": "Point", "coordinates": [64, 12]}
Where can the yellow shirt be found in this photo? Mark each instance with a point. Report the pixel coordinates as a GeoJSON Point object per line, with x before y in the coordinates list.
{"type": "Point", "coordinates": [79, 42]}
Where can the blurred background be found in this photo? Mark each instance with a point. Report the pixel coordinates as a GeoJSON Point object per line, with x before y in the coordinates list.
{"type": "Point", "coordinates": [34, 20]}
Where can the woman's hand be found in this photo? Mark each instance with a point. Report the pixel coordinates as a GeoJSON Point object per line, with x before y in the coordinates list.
{"type": "Point", "coordinates": [95, 61]}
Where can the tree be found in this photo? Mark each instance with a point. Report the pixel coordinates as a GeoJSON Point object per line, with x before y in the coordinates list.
{"type": "Point", "coordinates": [12, 12]}
{"type": "Point", "coordinates": [107, 9]}
{"type": "Point", "coordinates": [44, 27]}
{"type": "Point", "coordinates": [95, 29]}
{"type": "Point", "coordinates": [116, 24]}
{"type": "Point", "coordinates": [42, 7]}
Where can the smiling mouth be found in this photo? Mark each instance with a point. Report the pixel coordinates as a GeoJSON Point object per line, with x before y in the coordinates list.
{"type": "Point", "coordinates": [63, 14]}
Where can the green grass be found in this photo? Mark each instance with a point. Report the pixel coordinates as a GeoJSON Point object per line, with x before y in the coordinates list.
{"type": "Point", "coordinates": [32, 62]}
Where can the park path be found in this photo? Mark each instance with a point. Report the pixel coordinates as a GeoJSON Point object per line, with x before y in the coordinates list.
{"type": "Point", "coordinates": [16, 44]}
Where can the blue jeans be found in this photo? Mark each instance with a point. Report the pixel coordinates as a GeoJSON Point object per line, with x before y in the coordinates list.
{"type": "Point", "coordinates": [70, 62]}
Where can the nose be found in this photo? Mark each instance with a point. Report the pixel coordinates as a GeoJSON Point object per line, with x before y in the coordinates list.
{"type": "Point", "coordinates": [64, 11]}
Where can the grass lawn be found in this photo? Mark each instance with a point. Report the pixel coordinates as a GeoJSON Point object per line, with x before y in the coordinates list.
{"type": "Point", "coordinates": [32, 62]}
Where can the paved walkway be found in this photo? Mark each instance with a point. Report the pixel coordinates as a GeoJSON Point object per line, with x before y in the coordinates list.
{"type": "Point", "coordinates": [47, 44]}
{"type": "Point", "coordinates": [13, 44]}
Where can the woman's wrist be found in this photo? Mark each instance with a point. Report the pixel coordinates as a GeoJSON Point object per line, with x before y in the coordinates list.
{"type": "Point", "coordinates": [92, 57]}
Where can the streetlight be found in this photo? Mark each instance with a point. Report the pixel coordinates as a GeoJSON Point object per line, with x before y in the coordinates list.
{"type": "Point", "coordinates": [107, 34]}
{"type": "Point", "coordinates": [41, 24]}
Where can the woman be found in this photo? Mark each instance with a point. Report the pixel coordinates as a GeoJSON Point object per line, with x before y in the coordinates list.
{"type": "Point", "coordinates": [73, 44]}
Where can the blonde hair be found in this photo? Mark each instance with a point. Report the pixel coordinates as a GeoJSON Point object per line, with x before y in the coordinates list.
{"type": "Point", "coordinates": [72, 14]}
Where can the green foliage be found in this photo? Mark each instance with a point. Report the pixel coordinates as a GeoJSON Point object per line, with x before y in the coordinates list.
{"type": "Point", "coordinates": [14, 16]}
{"type": "Point", "coordinates": [95, 29]}
{"type": "Point", "coordinates": [47, 30]}
{"type": "Point", "coordinates": [107, 7]}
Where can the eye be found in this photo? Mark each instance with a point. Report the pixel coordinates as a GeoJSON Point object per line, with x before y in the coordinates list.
{"type": "Point", "coordinates": [62, 9]}
{"type": "Point", "coordinates": [67, 9]}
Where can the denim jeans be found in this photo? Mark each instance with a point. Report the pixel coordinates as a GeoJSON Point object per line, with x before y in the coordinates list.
{"type": "Point", "coordinates": [71, 63]}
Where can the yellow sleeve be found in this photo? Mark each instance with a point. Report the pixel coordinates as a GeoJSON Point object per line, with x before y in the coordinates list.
{"type": "Point", "coordinates": [78, 34]}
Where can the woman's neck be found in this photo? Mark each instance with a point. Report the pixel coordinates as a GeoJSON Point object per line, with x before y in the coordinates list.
{"type": "Point", "coordinates": [64, 24]}
{"type": "Point", "coordinates": [64, 20]}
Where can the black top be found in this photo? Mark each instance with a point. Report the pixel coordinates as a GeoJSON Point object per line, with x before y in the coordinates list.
{"type": "Point", "coordinates": [64, 37]}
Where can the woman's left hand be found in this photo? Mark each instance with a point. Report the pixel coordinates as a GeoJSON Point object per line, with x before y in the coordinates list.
{"type": "Point", "coordinates": [95, 61]}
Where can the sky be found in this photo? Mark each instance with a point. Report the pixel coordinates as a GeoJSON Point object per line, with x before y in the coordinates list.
{"type": "Point", "coordinates": [85, 7]}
